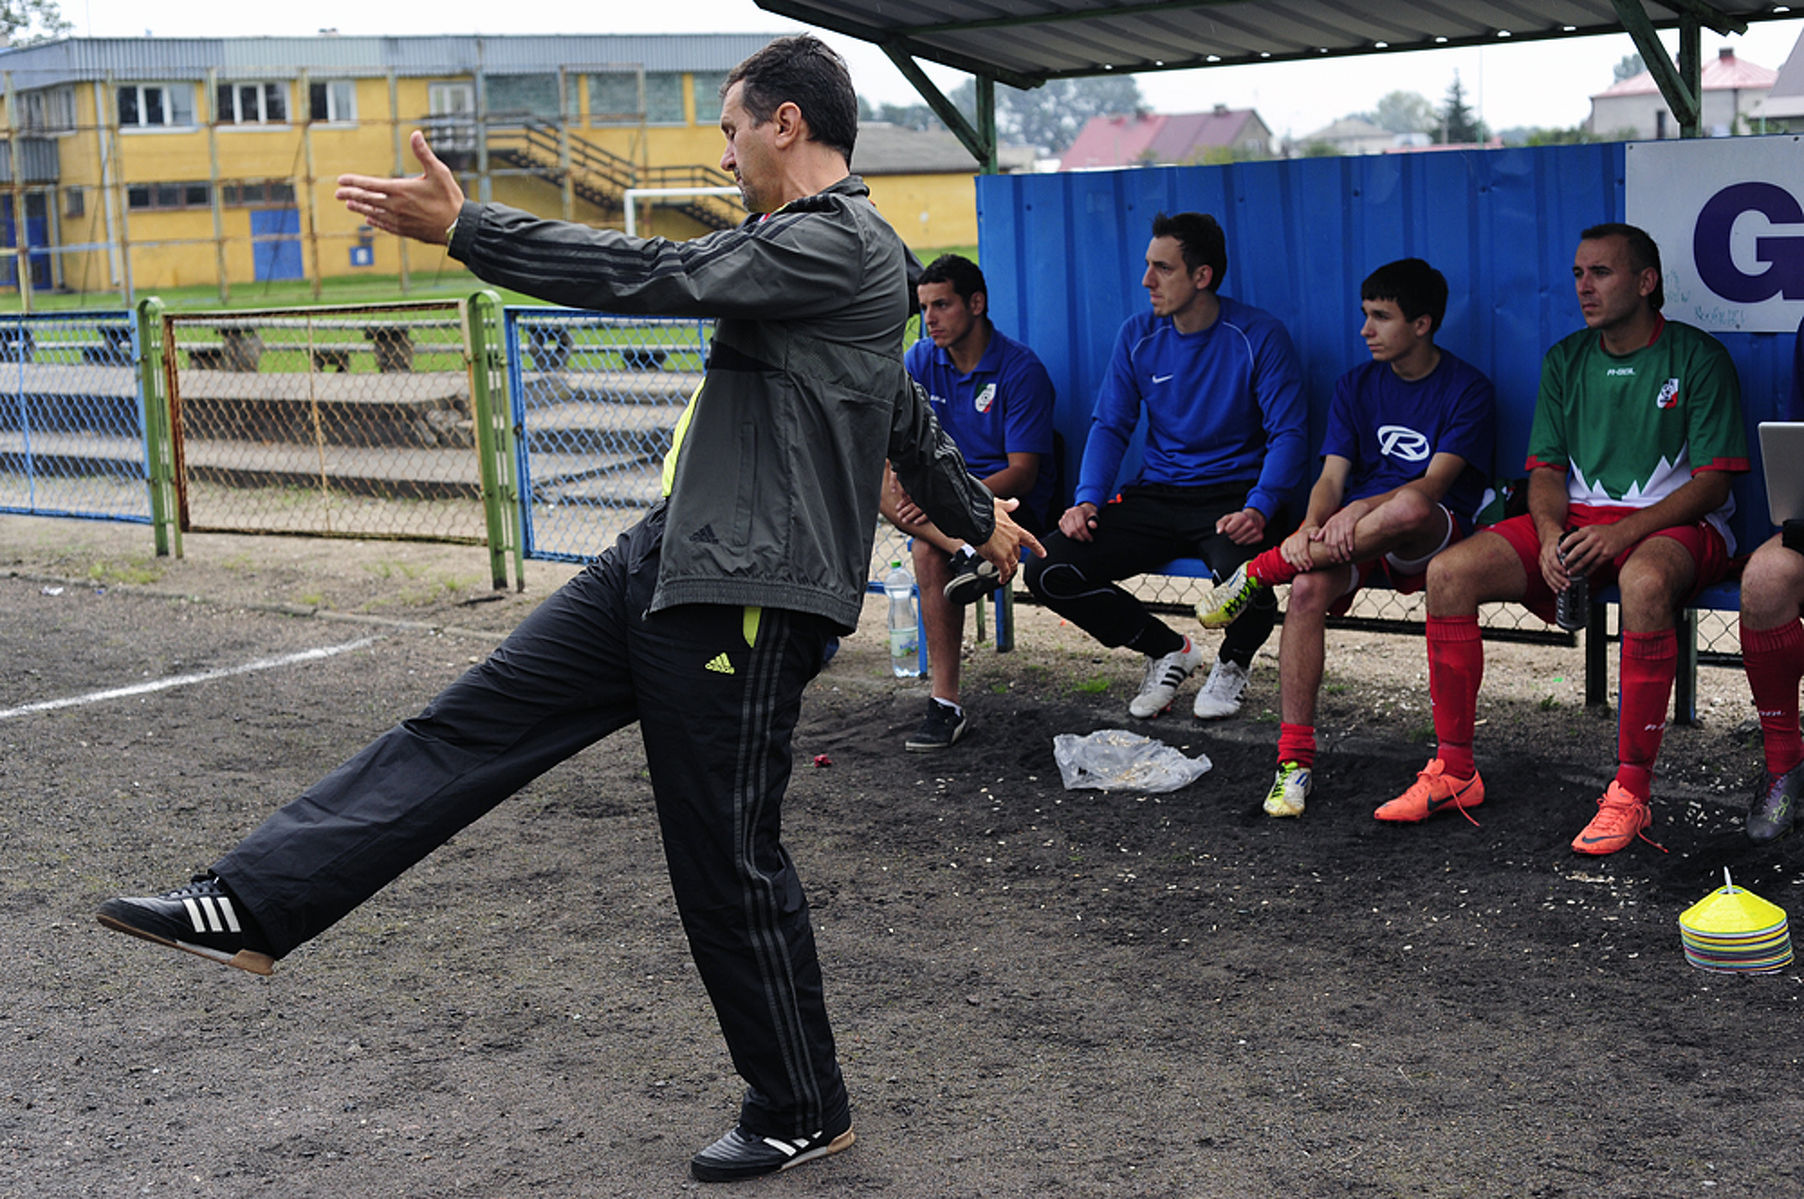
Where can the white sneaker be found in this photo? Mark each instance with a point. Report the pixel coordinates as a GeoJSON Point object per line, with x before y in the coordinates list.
{"type": "Point", "coordinates": [1290, 790]}
{"type": "Point", "coordinates": [1220, 696]}
{"type": "Point", "coordinates": [1163, 678]}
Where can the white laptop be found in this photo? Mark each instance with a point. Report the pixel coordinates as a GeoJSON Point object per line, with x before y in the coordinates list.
{"type": "Point", "coordinates": [1782, 454]}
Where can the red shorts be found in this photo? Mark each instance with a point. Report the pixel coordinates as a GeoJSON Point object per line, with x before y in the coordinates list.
{"type": "Point", "coordinates": [1701, 541]}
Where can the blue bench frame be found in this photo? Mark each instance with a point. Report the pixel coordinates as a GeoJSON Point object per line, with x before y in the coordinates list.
{"type": "Point", "coordinates": [1723, 597]}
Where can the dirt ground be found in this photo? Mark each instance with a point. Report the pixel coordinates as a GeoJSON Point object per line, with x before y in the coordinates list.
{"type": "Point", "coordinates": [1038, 992]}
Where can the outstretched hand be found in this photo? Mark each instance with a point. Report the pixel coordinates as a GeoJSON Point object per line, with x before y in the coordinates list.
{"type": "Point", "coordinates": [421, 206]}
{"type": "Point", "coordinates": [1003, 549]}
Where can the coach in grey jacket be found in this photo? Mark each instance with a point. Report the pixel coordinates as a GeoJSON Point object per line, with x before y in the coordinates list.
{"type": "Point", "coordinates": [704, 622]}
{"type": "Point", "coordinates": [771, 500]}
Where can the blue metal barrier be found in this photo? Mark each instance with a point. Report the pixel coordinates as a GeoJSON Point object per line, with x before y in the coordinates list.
{"type": "Point", "coordinates": [596, 399]}
{"type": "Point", "coordinates": [72, 419]}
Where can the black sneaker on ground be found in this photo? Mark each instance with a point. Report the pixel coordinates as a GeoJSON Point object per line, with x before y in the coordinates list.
{"type": "Point", "coordinates": [943, 726]}
{"type": "Point", "coordinates": [972, 578]}
{"type": "Point", "coordinates": [1776, 809]}
{"type": "Point", "coordinates": [201, 918]}
{"type": "Point", "coordinates": [740, 1154]}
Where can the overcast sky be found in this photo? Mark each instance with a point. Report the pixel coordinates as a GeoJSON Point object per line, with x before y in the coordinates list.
{"type": "Point", "coordinates": [1534, 83]}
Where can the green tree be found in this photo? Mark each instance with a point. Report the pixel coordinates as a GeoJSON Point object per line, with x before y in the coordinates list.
{"type": "Point", "coordinates": [1627, 67]}
{"type": "Point", "coordinates": [23, 22]}
{"type": "Point", "coordinates": [909, 116]}
{"type": "Point", "coordinates": [1050, 116]}
{"type": "Point", "coordinates": [1403, 112]}
{"type": "Point", "coordinates": [1459, 125]}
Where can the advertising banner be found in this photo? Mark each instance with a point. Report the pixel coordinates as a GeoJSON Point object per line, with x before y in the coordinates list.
{"type": "Point", "coordinates": [1728, 214]}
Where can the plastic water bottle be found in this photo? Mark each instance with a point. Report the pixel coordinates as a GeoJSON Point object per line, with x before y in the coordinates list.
{"type": "Point", "coordinates": [1572, 607]}
{"type": "Point", "coordinates": [904, 628]}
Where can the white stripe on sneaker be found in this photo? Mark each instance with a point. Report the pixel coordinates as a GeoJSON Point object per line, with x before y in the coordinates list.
{"type": "Point", "coordinates": [212, 914]}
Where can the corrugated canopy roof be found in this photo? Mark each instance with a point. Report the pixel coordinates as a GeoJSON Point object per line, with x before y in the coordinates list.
{"type": "Point", "coordinates": [1027, 42]}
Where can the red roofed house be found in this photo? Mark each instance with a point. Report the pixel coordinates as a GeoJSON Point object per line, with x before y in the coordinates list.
{"type": "Point", "coordinates": [1633, 109]}
{"type": "Point", "coordinates": [1169, 139]}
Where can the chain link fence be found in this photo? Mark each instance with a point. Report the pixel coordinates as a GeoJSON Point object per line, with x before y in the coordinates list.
{"type": "Point", "coordinates": [72, 422]}
{"type": "Point", "coordinates": [352, 422]}
{"type": "Point", "coordinates": [596, 398]}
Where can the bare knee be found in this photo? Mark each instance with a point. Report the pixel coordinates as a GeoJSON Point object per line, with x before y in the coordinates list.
{"type": "Point", "coordinates": [1652, 589]}
{"type": "Point", "coordinates": [1772, 588]}
{"type": "Point", "coordinates": [1313, 592]}
{"type": "Point", "coordinates": [1455, 581]}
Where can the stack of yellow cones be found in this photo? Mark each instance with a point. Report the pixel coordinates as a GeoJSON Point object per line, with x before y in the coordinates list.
{"type": "Point", "coordinates": [1733, 930]}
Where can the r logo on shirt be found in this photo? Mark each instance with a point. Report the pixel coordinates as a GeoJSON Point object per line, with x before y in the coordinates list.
{"type": "Point", "coordinates": [1669, 394]}
{"type": "Point", "coordinates": [985, 398]}
{"type": "Point", "coordinates": [1401, 441]}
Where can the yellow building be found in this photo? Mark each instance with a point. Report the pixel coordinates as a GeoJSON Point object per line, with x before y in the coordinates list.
{"type": "Point", "coordinates": [924, 182]}
{"type": "Point", "coordinates": [165, 162]}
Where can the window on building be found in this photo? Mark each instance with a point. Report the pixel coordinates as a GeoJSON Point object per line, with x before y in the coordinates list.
{"type": "Point", "coordinates": [451, 119]}
{"type": "Point", "coordinates": [252, 104]}
{"type": "Point", "coordinates": [47, 110]}
{"type": "Point", "coordinates": [156, 105]}
{"type": "Point", "coordinates": [145, 197]}
{"type": "Point", "coordinates": [616, 97]}
{"type": "Point", "coordinates": [334, 100]}
{"type": "Point", "coordinates": [524, 96]}
{"type": "Point", "coordinates": [257, 193]}
{"type": "Point", "coordinates": [707, 101]}
{"type": "Point", "coordinates": [75, 202]}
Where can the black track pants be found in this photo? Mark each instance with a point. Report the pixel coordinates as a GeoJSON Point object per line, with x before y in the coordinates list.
{"type": "Point", "coordinates": [1144, 527]}
{"type": "Point", "coordinates": [716, 690]}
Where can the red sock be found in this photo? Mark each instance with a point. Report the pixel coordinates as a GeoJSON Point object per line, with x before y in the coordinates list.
{"type": "Point", "coordinates": [1649, 662]}
{"type": "Point", "coordinates": [1296, 743]}
{"type": "Point", "coordinates": [1774, 659]}
{"type": "Point", "coordinates": [1456, 666]}
{"type": "Point", "coordinates": [1271, 568]}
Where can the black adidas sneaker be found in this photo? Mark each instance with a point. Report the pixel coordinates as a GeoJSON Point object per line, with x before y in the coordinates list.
{"type": "Point", "coordinates": [741, 1154]}
{"type": "Point", "coordinates": [973, 578]}
{"type": "Point", "coordinates": [201, 918]}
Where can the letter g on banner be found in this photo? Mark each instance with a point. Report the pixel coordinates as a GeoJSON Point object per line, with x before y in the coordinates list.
{"type": "Point", "coordinates": [1784, 256]}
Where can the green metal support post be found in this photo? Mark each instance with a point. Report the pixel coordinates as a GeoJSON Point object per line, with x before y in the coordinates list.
{"type": "Point", "coordinates": [159, 444]}
{"type": "Point", "coordinates": [494, 436]}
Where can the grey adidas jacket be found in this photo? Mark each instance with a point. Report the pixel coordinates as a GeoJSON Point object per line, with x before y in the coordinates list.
{"type": "Point", "coordinates": [774, 499]}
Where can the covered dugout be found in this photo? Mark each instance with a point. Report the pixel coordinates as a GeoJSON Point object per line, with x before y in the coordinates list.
{"type": "Point", "coordinates": [1062, 252]}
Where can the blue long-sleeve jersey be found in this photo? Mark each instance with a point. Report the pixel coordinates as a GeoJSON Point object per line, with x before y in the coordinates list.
{"type": "Point", "coordinates": [1222, 404]}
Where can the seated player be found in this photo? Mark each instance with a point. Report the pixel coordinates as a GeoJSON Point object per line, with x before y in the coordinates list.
{"type": "Point", "coordinates": [1226, 440]}
{"type": "Point", "coordinates": [994, 399]}
{"type": "Point", "coordinates": [1405, 463]}
{"type": "Point", "coordinates": [1637, 432]}
{"type": "Point", "coordinates": [1772, 652]}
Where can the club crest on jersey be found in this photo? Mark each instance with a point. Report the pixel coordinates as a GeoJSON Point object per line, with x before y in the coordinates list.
{"type": "Point", "coordinates": [985, 398]}
{"type": "Point", "coordinates": [1669, 394]}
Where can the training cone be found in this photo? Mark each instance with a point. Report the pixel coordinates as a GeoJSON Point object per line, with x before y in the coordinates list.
{"type": "Point", "coordinates": [1732, 930]}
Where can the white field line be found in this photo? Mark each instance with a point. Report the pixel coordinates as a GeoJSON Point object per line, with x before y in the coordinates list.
{"type": "Point", "coordinates": [183, 680]}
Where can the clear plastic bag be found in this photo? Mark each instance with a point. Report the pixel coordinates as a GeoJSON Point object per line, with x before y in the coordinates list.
{"type": "Point", "coordinates": [1117, 760]}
